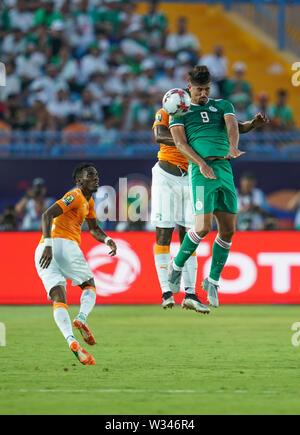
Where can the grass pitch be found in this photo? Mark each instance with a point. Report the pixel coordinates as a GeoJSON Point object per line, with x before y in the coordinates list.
{"type": "Point", "coordinates": [237, 360]}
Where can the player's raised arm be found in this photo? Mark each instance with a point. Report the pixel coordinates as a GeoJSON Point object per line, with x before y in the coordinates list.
{"type": "Point", "coordinates": [233, 136]}
{"type": "Point", "coordinates": [47, 218]}
{"type": "Point", "coordinates": [100, 235]}
{"type": "Point", "coordinates": [258, 121]}
{"type": "Point", "coordinates": [163, 135]}
{"type": "Point", "coordinates": [179, 137]}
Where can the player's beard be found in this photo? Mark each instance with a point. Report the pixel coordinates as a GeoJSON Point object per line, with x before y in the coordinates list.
{"type": "Point", "coordinates": [203, 100]}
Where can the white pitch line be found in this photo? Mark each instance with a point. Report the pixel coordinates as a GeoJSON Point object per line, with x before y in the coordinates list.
{"type": "Point", "coordinates": [137, 391]}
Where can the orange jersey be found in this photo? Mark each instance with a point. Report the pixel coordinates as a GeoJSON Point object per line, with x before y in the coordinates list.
{"type": "Point", "coordinates": [76, 208]}
{"type": "Point", "coordinates": [169, 153]}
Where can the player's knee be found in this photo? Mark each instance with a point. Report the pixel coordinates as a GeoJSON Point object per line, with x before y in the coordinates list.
{"type": "Point", "coordinates": [203, 230]}
{"type": "Point", "coordinates": [90, 282]}
{"type": "Point", "coordinates": [58, 295]}
{"type": "Point", "coordinates": [164, 236]}
{"type": "Point", "coordinates": [227, 235]}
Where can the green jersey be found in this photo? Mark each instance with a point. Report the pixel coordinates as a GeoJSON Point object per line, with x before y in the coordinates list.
{"type": "Point", "coordinates": [205, 127]}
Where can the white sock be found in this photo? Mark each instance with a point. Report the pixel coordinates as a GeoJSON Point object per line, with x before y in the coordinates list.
{"type": "Point", "coordinates": [189, 274]}
{"type": "Point", "coordinates": [63, 321]}
{"type": "Point", "coordinates": [161, 263]}
{"type": "Point", "coordinates": [87, 301]}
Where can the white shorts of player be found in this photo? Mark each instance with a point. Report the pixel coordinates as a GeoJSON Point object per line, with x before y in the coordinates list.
{"type": "Point", "coordinates": [170, 200]}
{"type": "Point", "coordinates": [68, 262]}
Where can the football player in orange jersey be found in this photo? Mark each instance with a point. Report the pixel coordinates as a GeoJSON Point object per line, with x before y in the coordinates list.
{"type": "Point", "coordinates": [170, 194]}
{"type": "Point", "coordinates": [58, 256]}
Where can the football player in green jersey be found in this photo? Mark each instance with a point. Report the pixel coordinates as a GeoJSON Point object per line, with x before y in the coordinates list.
{"type": "Point", "coordinates": [208, 135]}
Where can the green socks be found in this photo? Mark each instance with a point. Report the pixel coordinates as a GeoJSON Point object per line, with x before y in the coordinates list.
{"type": "Point", "coordinates": [189, 245]}
{"type": "Point", "coordinates": [220, 254]}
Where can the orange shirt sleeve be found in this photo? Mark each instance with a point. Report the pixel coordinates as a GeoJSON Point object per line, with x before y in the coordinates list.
{"type": "Point", "coordinates": [69, 201]}
{"type": "Point", "coordinates": [161, 118]}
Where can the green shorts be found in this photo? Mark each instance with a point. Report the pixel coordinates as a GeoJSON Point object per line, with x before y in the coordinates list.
{"type": "Point", "coordinates": [210, 195]}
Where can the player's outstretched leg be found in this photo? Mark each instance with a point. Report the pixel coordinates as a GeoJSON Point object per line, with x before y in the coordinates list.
{"type": "Point", "coordinates": [87, 303]}
{"type": "Point", "coordinates": [63, 321]}
{"type": "Point", "coordinates": [162, 258]}
{"type": "Point", "coordinates": [220, 254]}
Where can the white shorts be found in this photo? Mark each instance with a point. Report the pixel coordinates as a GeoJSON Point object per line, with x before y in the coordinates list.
{"type": "Point", "coordinates": [68, 262]}
{"type": "Point", "coordinates": [170, 200]}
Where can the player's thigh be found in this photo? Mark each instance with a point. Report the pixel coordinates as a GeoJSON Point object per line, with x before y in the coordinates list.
{"type": "Point", "coordinates": [185, 216]}
{"type": "Point", "coordinates": [226, 224]}
{"type": "Point", "coordinates": [71, 261]}
{"type": "Point", "coordinates": [52, 276]}
{"type": "Point", "coordinates": [203, 223]}
{"type": "Point", "coordinates": [165, 194]}
{"type": "Point", "coordinates": [202, 191]}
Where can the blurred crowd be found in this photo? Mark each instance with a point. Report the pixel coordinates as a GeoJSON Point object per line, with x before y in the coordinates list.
{"type": "Point", "coordinates": [98, 66]}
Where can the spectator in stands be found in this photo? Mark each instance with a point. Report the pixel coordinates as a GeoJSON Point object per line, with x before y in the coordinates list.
{"type": "Point", "coordinates": [19, 17]}
{"type": "Point", "coordinates": [121, 82]}
{"type": "Point", "coordinates": [49, 83]}
{"type": "Point", "coordinates": [240, 102]}
{"type": "Point", "coordinates": [168, 80]}
{"type": "Point", "coordinates": [261, 106]}
{"type": "Point", "coordinates": [29, 64]}
{"type": "Point", "coordinates": [33, 204]}
{"type": "Point", "coordinates": [155, 23]}
{"type": "Point", "coordinates": [46, 14]}
{"type": "Point", "coordinates": [282, 117]}
{"type": "Point", "coordinates": [143, 112]}
{"type": "Point", "coordinates": [183, 40]}
{"type": "Point", "coordinates": [134, 45]}
{"type": "Point", "coordinates": [41, 118]}
{"type": "Point", "coordinates": [237, 84]}
{"type": "Point", "coordinates": [93, 61]}
{"type": "Point", "coordinates": [147, 78]}
{"type": "Point", "coordinates": [121, 112]}
{"type": "Point", "coordinates": [253, 210]}
{"type": "Point", "coordinates": [13, 82]}
{"type": "Point", "coordinates": [184, 65]}
{"type": "Point", "coordinates": [217, 64]}
{"type": "Point", "coordinates": [8, 219]}
{"type": "Point", "coordinates": [294, 205]}
{"type": "Point", "coordinates": [62, 107]}
{"type": "Point", "coordinates": [13, 43]}
{"type": "Point", "coordinates": [89, 111]}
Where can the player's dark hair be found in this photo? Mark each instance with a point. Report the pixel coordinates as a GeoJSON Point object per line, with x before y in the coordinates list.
{"type": "Point", "coordinates": [77, 172]}
{"type": "Point", "coordinates": [199, 75]}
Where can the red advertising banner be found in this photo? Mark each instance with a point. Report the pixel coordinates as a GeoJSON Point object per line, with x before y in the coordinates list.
{"type": "Point", "coordinates": [262, 268]}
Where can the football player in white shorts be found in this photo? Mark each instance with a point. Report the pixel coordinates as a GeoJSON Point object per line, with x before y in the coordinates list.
{"type": "Point", "coordinates": [58, 256]}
